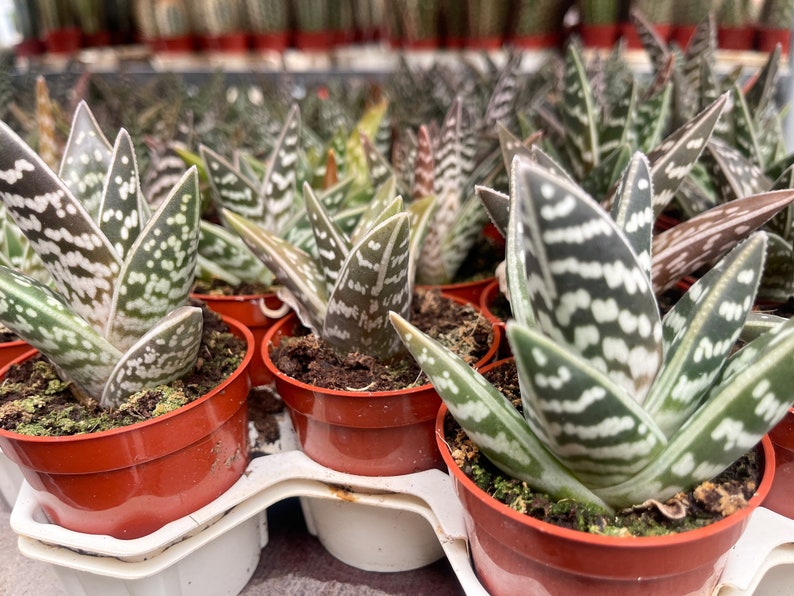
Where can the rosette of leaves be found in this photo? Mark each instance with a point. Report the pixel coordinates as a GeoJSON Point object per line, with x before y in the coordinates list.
{"type": "Point", "coordinates": [117, 319]}
{"type": "Point", "coordinates": [619, 405]}
{"type": "Point", "coordinates": [344, 294]}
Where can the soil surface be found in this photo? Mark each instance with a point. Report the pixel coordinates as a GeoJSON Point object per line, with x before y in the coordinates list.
{"type": "Point", "coordinates": [460, 327]}
{"type": "Point", "coordinates": [707, 503]}
{"type": "Point", "coordinates": [35, 401]}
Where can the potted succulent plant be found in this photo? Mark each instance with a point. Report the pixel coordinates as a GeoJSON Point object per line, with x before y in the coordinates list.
{"type": "Point", "coordinates": [268, 23]}
{"type": "Point", "coordinates": [599, 22]}
{"type": "Point", "coordinates": [619, 405]}
{"type": "Point", "coordinates": [116, 323]}
{"type": "Point", "coordinates": [537, 23]}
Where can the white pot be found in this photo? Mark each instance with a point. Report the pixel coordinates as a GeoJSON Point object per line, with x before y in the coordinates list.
{"type": "Point", "coordinates": [10, 481]}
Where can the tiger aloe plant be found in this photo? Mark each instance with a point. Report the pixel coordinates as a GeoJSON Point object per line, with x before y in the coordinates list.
{"type": "Point", "coordinates": [117, 319]}
{"type": "Point", "coordinates": [619, 404]}
{"type": "Point", "coordinates": [345, 292]}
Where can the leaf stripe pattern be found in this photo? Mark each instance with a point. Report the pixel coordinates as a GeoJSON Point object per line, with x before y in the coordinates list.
{"type": "Point", "coordinates": [672, 160]}
{"type": "Point", "coordinates": [700, 330]}
{"type": "Point", "coordinates": [601, 305]}
{"type": "Point", "coordinates": [632, 210]}
{"type": "Point", "coordinates": [159, 271]}
{"type": "Point", "coordinates": [373, 281]}
{"type": "Point", "coordinates": [85, 160]}
{"type": "Point", "coordinates": [689, 245]}
{"type": "Point", "coordinates": [81, 261]}
{"type": "Point", "coordinates": [591, 425]}
{"type": "Point", "coordinates": [489, 419]}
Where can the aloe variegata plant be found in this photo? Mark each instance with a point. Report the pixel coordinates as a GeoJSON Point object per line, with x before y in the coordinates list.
{"type": "Point", "coordinates": [344, 294]}
{"type": "Point", "coordinates": [619, 405]}
{"type": "Point", "coordinates": [117, 320]}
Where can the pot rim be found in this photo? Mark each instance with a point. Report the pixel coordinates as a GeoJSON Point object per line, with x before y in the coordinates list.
{"type": "Point", "coordinates": [596, 539]}
{"type": "Point", "coordinates": [241, 331]}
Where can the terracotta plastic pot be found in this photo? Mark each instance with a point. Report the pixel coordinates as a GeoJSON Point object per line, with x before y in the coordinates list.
{"type": "Point", "coordinates": [736, 38]}
{"type": "Point", "coordinates": [487, 300]}
{"type": "Point", "coordinates": [467, 291]}
{"type": "Point", "coordinates": [63, 41]}
{"type": "Point", "coordinates": [768, 38]}
{"type": "Point", "coordinates": [11, 350]}
{"type": "Point", "coordinates": [368, 433]}
{"type": "Point", "coordinates": [233, 43]}
{"type": "Point", "coordinates": [258, 312]}
{"type": "Point", "coordinates": [270, 41]}
{"type": "Point", "coordinates": [599, 36]}
{"type": "Point", "coordinates": [781, 497]}
{"type": "Point", "coordinates": [539, 41]}
{"type": "Point", "coordinates": [130, 481]}
{"type": "Point", "coordinates": [517, 554]}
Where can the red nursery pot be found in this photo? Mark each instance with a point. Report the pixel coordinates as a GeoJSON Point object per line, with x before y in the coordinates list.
{"type": "Point", "coordinates": [257, 312]}
{"type": "Point", "coordinates": [517, 554]}
{"type": "Point", "coordinates": [128, 482]}
{"type": "Point", "coordinates": [487, 300]}
{"type": "Point", "coordinates": [467, 291]}
{"type": "Point", "coordinates": [11, 350]}
{"type": "Point", "coordinates": [368, 433]}
{"type": "Point", "coordinates": [781, 497]}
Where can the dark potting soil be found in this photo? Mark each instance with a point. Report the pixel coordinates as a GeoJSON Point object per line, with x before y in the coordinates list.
{"type": "Point", "coordinates": [707, 503]}
{"type": "Point", "coordinates": [218, 287]}
{"type": "Point", "coordinates": [35, 401]}
{"type": "Point", "coordinates": [462, 328]}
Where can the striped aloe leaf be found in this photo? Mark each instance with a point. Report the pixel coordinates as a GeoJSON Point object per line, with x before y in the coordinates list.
{"type": "Point", "coordinates": [692, 410]}
{"type": "Point", "coordinates": [344, 294]}
{"type": "Point", "coordinates": [691, 244]}
{"type": "Point", "coordinates": [490, 419]}
{"type": "Point", "coordinates": [223, 254]}
{"type": "Point", "coordinates": [122, 281]}
{"type": "Point", "coordinates": [579, 115]}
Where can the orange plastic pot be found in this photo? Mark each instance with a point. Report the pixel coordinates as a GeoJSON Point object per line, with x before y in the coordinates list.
{"type": "Point", "coordinates": [781, 497]}
{"type": "Point", "coordinates": [517, 554]}
{"type": "Point", "coordinates": [467, 291]}
{"type": "Point", "coordinates": [487, 300]}
{"type": "Point", "coordinates": [11, 350]}
{"type": "Point", "coordinates": [258, 312]}
{"type": "Point", "coordinates": [368, 433]}
{"type": "Point", "coordinates": [130, 481]}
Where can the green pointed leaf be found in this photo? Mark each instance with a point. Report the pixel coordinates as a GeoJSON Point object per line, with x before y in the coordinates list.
{"type": "Point", "coordinates": [332, 244]}
{"type": "Point", "coordinates": [497, 205]}
{"type": "Point", "coordinates": [42, 319]}
{"type": "Point", "coordinates": [159, 270]}
{"type": "Point", "coordinates": [688, 246]}
{"type": "Point", "coordinates": [227, 257]}
{"type": "Point", "coordinates": [587, 288]}
{"type": "Point", "coordinates": [279, 186]}
{"type": "Point", "coordinates": [489, 419]}
{"type": "Point", "coordinates": [701, 330]}
{"type": "Point", "coordinates": [292, 267]}
{"type": "Point", "coordinates": [618, 127]}
{"type": "Point", "coordinates": [379, 168]}
{"type": "Point", "coordinates": [606, 174]}
{"type": "Point", "coordinates": [373, 281]}
{"type": "Point", "coordinates": [230, 188]}
{"type": "Point", "coordinates": [593, 427]}
{"type": "Point", "coordinates": [633, 211]}
{"type": "Point", "coordinates": [777, 283]}
{"type": "Point", "coordinates": [750, 397]}
{"type": "Point", "coordinates": [378, 206]}
{"type": "Point", "coordinates": [746, 137]}
{"type": "Point", "coordinates": [121, 213]}
{"type": "Point", "coordinates": [167, 352]}
{"type": "Point", "coordinates": [81, 261]}
{"type": "Point", "coordinates": [653, 118]}
{"type": "Point", "coordinates": [85, 160]}
{"type": "Point", "coordinates": [579, 114]}
{"type": "Point", "coordinates": [672, 160]}
{"type": "Point", "coordinates": [461, 237]}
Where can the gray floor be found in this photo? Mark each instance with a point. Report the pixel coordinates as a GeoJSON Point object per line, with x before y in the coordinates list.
{"type": "Point", "coordinates": [293, 562]}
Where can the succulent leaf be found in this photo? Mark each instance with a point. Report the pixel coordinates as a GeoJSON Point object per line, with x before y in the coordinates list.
{"type": "Point", "coordinates": [159, 270]}
{"type": "Point", "coordinates": [122, 210]}
{"type": "Point", "coordinates": [700, 330]}
{"type": "Point", "coordinates": [166, 352]}
{"type": "Point", "coordinates": [291, 266]}
{"type": "Point", "coordinates": [614, 323]}
{"type": "Point", "coordinates": [691, 244]}
{"type": "Point", "coordinates": [82, 262]}
{"type": "Point", "coordinates": [579, 114]}
{"type": "Point", "coordinates": [33, 311]}
{"type": "Point", "coordinates": [490, 419]}
{"type": "Point", "coordinates": [224, 255]}
{"type": "Point", "coordinates": [591, 425]}
{"type": "Point", "coordinates": [332, 244]}
{"type": "Point", "coordinates": [85, 160]}
{"type": "Point", "coordinates": [633, 211]}
{"type": "Point", "coordinates": [373, 281]}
